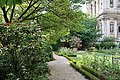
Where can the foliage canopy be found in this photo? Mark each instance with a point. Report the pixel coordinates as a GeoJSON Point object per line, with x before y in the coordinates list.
{"type": "Point", "coordinates": [31, 26]}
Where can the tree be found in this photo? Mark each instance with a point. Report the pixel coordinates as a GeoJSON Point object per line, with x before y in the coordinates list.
{"type": "Point", "coordinates": [89, 35]}
{"type": "Point", "coordinates": [20, 10]}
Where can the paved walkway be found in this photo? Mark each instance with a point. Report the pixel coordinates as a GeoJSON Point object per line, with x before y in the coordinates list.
{"type": "Point", "coordinates": [61, 70]}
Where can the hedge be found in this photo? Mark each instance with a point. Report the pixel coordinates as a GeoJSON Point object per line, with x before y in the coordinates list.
{"type": "Point", "coordinates": [72, 55]}
{"type": "Point", "coordinates": [82, 71]}
{"type": "Point", "coordinates": [94, 72]}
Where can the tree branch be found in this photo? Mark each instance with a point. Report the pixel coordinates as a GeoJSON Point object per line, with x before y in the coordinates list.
{"type": "Point", "coordinates": [25, 10]}
{"type": "Point", "coordinates": [30, 5]}
{"type": "Point", "coordinates": [29, 18]}
{"type": "Point", "coordinates": [12, 13]}
{"type": "Point", "coordinates": [21, 7]}
{"type": "Point", "coordinates": [35, 10]}
{"type": "Point", "coordinates": [5, 15]}
{"type": "Point", "coordinates": [8, 9]}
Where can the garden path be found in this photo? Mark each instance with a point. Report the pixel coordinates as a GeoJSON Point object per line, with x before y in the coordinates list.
{"type": "Point", "coordinates": [61, 70]}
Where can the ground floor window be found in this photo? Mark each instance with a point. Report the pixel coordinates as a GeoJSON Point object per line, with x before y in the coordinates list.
{"type": "Point", "coordinates": [111, 3]}
{"type": "Point", "coordinates": [111, 27]}
{"type": "Point", "coordinates": [119, 29]}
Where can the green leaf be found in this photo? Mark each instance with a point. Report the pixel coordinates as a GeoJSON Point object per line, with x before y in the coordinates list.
{"type": "Point", "coordinates": [19, 1]}
{"type": "Point", "coordinates": [9, 2]}
{"type": "Point", "coordinates": [3, 2]}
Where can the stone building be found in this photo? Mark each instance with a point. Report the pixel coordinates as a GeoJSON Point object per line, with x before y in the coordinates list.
{"type": "Point", "coordinates": [108, 15]}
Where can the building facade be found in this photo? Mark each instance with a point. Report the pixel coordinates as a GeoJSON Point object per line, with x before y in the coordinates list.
{"type": "Point", "coordinates": [108, 15]}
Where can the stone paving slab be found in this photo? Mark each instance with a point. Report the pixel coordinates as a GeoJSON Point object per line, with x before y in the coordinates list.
{"type": "Point", "coordinates": [61, 70]}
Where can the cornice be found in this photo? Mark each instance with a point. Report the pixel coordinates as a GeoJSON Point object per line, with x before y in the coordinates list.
{"type": "Point", "coordinates": [116, 18]}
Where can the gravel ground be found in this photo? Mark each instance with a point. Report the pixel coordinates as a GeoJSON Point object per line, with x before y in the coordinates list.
{"type": "Point", "coordinates": [61, 70]}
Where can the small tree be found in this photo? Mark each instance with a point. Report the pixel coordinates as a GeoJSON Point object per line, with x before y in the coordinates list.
{"type": "Point", "coordinates": [75, 42]}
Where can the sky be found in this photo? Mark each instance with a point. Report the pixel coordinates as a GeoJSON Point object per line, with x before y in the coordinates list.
{"type": "Point", "coordinates": [84, 8]}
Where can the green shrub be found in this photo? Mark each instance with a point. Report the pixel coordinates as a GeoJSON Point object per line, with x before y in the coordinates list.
{"type": "Point", "coordinates": [23, 53]}
{"type": "Point", "coordinates": [109, 39]}
{"type": "Point", "coordinates": [57, 45]}
{"type": "Point", "coordinates": [110, 51]}
{"type": "Point", "coordinates": [98, 46]}
{"type": "Point", "coordinates": [107, 43]}
{"type": "Point", "coordinates": [92, 49]}
{"type": "Point", "coordinates": [65, 51]}
{"type": "Point", "coordinates": [70, 59]}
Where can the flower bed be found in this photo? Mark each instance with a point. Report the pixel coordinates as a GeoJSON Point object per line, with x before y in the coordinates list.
{"type": "Point", "coordinates": [108, 65]}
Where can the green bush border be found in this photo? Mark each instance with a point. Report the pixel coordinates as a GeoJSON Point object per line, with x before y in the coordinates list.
{"type": "Point", "coordinates": [94, 72]}
{"type": "Point", "coordinates": [82, 71]}
{"type": "Point", "coordinates": [72, 55]}
{"type": "Point", "coordinates": [68, 58]}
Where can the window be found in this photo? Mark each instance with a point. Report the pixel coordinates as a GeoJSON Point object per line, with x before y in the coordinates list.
{"type": "Point", "coordinates": [98, 5]}
{"type": "Point", "coordinates": [119, 29]}
{"type": "Point", "coordinates": [95, 7]}
{"type": "Point", "coordinates": [101, 28]}
{"type": "Point", "coordinates": [101, 4]}
{"type": "Point", "coordinates": [111, 3]}
{"type": "Point", "coordinates": [118, 6]}
{"type": "Point", "coordinates": [111, 27]}
{"type": "Point", "coordinates": [91, 10]}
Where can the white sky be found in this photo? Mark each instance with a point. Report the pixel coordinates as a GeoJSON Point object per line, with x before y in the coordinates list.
{"type": "Point", "coordinates": [84, 8]}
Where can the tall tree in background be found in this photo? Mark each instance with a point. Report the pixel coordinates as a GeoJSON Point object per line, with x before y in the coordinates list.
{"type": "Point", "coordinates": [89, 35]}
